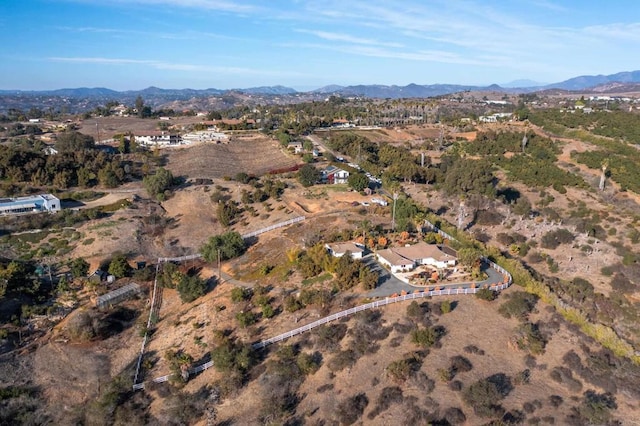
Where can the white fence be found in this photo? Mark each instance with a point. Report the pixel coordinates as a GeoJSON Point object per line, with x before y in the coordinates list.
{"type": "Point", "coordinates": [275, 226]}
{"type": "Point", "coordinates": [155, 309]}
{"type": "Point", "coordinates": [372, 305]}
{"type": "Point", "coordinates": [156, 302]}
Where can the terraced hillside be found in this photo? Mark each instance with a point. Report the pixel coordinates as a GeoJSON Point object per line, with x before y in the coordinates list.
{"type": "Point", "coordinates": [254, 154]}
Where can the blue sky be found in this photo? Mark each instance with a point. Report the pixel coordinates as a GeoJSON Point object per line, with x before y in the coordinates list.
{"type": "Point", "coordinates": [133, 44]}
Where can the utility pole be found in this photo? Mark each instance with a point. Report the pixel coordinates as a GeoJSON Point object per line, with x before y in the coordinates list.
{"type": "Point", "coordinates": [219, 270]}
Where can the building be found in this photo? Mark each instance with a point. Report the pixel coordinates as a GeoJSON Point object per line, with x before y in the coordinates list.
{"type": "Point", "coordinates": [406, 258]}
{"type": "Point", "coordinates": [295, 146]}
{"type": "Point", "coordinates": [205, 136]}
{"type": "Point", "coordinates": [30, 204]}
{"type": "Point", "coordinates": [157, 139]}
{"type": "Point", "coordinates": [332, 174]}
{"type": "Point", "coordinates": [340, 249]}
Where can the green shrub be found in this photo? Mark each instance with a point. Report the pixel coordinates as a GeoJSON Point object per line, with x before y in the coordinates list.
{"type": "Point", "coordinates": [486, 294]}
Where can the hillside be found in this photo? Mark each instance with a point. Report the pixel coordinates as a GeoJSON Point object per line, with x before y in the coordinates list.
{"type": "Point", "coordinates": [555, 348]}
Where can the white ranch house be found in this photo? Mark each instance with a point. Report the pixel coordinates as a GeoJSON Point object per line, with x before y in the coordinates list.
{"type": "Point", "coordinates": [158, 138]}
{"type": "Point", "coordinates": [340, 249]}
{"type": "Point", "coordinates": [402, 259]}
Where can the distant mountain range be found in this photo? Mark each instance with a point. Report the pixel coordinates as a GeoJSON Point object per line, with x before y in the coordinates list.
{"type": "Point", "coordinates": [83, 98]}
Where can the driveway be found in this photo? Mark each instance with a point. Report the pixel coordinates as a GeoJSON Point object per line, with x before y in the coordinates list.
{"type": "Point", "coordinates": [388, 284]}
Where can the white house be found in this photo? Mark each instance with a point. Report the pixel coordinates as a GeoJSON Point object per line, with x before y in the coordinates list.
{"type": "Point", "coordinates": [31, 204]}
{"type": "Point", "coordinates": [395, 261]}
{"type": "Point", "coordinates": [408, 257]}
{"type": "Point", "coordinates": [158, 139]}
{"type": "Point", "coordinates": [204, 136]}
{"type": "Point", "coordinates": [296, 146]}
{"type": "Point", "coordinates": [332, 174]}
{"type": "Point", "coordinates": [340, 249]}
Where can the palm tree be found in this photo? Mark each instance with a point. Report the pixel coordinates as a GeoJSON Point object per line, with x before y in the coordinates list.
{"type": "Point", "coordinates": [418, 220]}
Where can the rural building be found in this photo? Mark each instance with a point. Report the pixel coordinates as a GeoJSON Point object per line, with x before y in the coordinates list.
{"type": "Point", "coordinates": [332, 174]}
{"type": "Point", "coordinates": [407, 258]}
{"type": "Point", "coordinates": [205, 136]}
{"type": "Point", "coordinates": [340, 249]}
{"type": "Point", "coordinates": [157, 139]}
{"type": "Point", "coordinates": [30, 204]}
{"type": "Point", "coordinates": [117, 296]}
{"type": "Point", "coordinates": [494, 118]}
{"type": "Point", "coordinates": [295, 146]}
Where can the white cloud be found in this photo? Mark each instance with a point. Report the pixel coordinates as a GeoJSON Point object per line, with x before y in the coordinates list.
{"type": "Point", "coordinates": [219, 5]}
{"type": "Point", "coordinates": [331, 36]}
{"type": "Point", "coordinates": [173, 66]}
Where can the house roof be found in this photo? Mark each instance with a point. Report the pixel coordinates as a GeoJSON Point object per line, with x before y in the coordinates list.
{"type": "Point", "coordinates": [330, 170]}
{"type": "Point", "coordinates": [394, 258]}
{"type": "Point", "coordinates": [345, 247]}
{"type": "Point", "coordinates": [423, 250]}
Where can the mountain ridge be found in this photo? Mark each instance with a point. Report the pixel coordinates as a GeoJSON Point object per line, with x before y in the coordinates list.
{"type": "Point", "coordinates": [411, 90]}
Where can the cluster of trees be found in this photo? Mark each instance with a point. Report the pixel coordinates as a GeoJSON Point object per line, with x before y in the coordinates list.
{"type": "Point", "coordinates": [532, 163]}
{"type": "Point", "coordinates": [189, 285]}
{"type": "Point", "coordinates": [233, 358]}
{"type": "Point", "coordinates": [19, 129]}
{"type": "Point", "coordinates": [621, 159]}
{"type": "Point", "coordinates": [223, 247]}
{"type": "Point", "coordinates": [614, 124]}
{"type": "Point", "coordinates": [75, 165]}
{"type": "Point", "coordinates": [347, 271]}
{"type": "Point", "coordinates": [392, 162]}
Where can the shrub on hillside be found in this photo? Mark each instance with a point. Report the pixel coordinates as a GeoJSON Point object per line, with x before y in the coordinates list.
{"type": "Point", "coordinates": [351, 409]}
{"type": "Point", "coordinates": [518, 305]}
{"type": "Point", "coordinates": [486, 294]}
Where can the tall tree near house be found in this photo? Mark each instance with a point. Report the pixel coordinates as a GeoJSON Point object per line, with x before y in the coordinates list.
{"type": "Point", "coordinates": [139, 105]}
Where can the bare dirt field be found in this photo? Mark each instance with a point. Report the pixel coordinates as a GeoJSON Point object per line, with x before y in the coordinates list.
{"type": "Point", "coordinates": [397, 135]}
{"type": "Point", "coordinates": [109, 126]}
{"type": "Point", "coordinates": [253, 154]}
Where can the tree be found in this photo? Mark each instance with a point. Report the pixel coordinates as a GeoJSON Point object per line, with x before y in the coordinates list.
{"type": "Point", "coordinates": [70, 141]}
{"type": "Point", "coordinates": [308, 175]}
{"type": "Point", "coordinates": [107, 177]}
{"type": "Point", "coordinates": [469, 176]}
{"type": "Point", "coordinates": [124, 146]}
{"type": "Point", "coordinates": [79, 267]}
{"type": "Point", "coordinates": [158, 183]}
{"type": "Point", "coordinates": [228, 245]}
{"type": "Point", "coordinates": [358, 181]}
{"type": "Point", "coordinates": [119, 266]}
{"type": "Point", "coordinates": [227, 212]}
{"type": "Point", "coordinates": [190, 288]}
{"type": "Point", "coordinates": [139, 105]}
{"type": "Point", "coordinates": [469, 256]}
